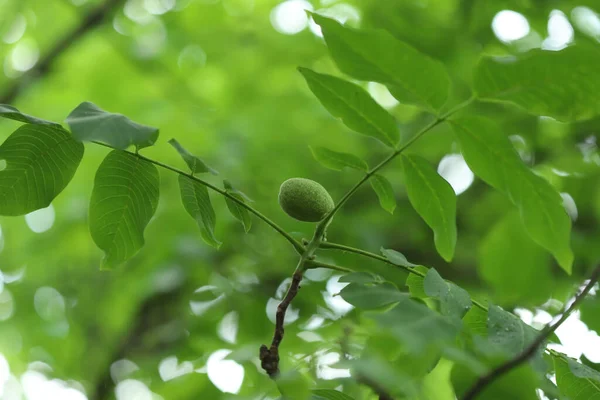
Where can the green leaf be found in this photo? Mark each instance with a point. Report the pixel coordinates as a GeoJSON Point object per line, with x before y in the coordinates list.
{"type": "Point", "coordinates": [576, 381]}
{"type": "Point", "coordinates": [526, 261]}
{"type": "Point", "coordinates": [90, 123]}
{"type": "Point", "coordinates": [372, 296]}
{"type": "Point", "coordinates": [454, 300]}
{"type": "Point", "coordinates": [196, 165]}
{"type": "Point", "coordinates": [358, 277]}
{"type": "Point", "coordinates": [476, 321]}
{"type": "Point", "coordinates": [124, 199]}
{"type": "Point", "coordinates": [39, 162]}
{"type": "Point", "coordinates": [395, 257]}
{"type": "Point", "coordinates": [434, 200]}
{"type": "Point", "coordinates": [384, 191]}
{"type": "Point", "coordinates": [375, 55]}
{"type": "Point", "coordinates": [196, 202]}
{"type": "Point", "coordinates": [507, 332]}
{"type": "Point", "coordinates": [437, 384]}
{"type": "Point", "coordinates": [10, 112]}
{"type": "Point", "coordinates": [590, 312]}
{"type": "Point", "coordinates": [293, 385]}
{"type": "Point", "coordinates": [336, 160]}
{"type": "Point", "coordinates": [560, 84]}
{"type": "Point", "coordinates": [417, 326]}
{"type": "Point", "coordinates": [491, 156]}
{"type": "Point", "coordinates": [416, 283]}
{"type": "Point", "coordinates": [239, 212]}
{"type": "Point", "coordinates": [329, 394]}
{"type": "Point", "coordinates": [354, 106]}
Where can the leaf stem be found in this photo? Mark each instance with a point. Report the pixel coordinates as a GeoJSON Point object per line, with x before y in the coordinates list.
{"type": "Point", "coordinates": [297, 245]}
{"type": "Point", "coordinates": [317, 264]}
{"type": "Point", "coordinates": [530, 350]}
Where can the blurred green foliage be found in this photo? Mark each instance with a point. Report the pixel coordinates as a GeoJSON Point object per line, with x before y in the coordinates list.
{"type": "Point", "coordinates": [219, 77]}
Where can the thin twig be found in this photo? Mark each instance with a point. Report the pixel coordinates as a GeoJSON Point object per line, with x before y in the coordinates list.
{"type": "Point", "coordinates": [317, 264]}
{"type": "Point", "coordinates": [89, 22]}
{"type": "Point", "coordinates": [528, 352]}
{"type": "Point", "coordinates": [297, 245]}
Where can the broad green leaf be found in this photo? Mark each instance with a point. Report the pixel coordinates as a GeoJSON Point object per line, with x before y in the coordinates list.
{"type": "Point", "coordinates": [510, 273]}
{"type": "Point", "coordinates": [475, 321]}
{"type": "Point", "coordinates": [372, 296]}
{"type": "Point", "coordinates": [329, 394]}
{"type": "Point", "coordinates": [507, 332]}
{"type": "Point", "coordinates": [576, 381]}
{"type": "Point", "coordinates": [435, 201]}
{"type": "Point", "coordinates": [239, 212]}
{"type": "Point", "coordinates": [454, 300]}
{"type": "Point", "coordinates": [293, 385]}
{"type": "Point", "coordinates": [337, 161]}
{"type": "Point", "coordinates": [437, 384]}
{"type": "Point", "coordinates": [518, 384]}
{"type": "Point", "coordinates": [384, 191]}
{"type": "Point", "coordinates": [417, 326]}
{"type": "Point", "coordinates": [395, 257]}
{"type": "Point", "coordinates": [416, 283]}
{"type": "Point", "coordinates": [10, 112]}
{"type": "Point", "coordinates": [39, 161]}
{"type": "Point", "coordinates": [196, 165]}
{"type": "Point", "coordinates": [560, 84]}
{"type": "Point", "coordinates": [124, 199]}
{"type": "Point", "coordinates": [375, 55]}
{"type": "Point", "coordinates": [491, 156]}
{"type": "Point", "coordinates": [196, 202]}
{"type": "Point", "coordinates": [89, 123]}
{"type": "Point", "coordinates": [354, 106]}
{"type": "Point", "coordinates": [358, 277]}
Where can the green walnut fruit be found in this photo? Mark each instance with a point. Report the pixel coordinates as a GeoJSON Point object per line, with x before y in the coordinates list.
{"type": "Point", "coordinates": [305, 200]}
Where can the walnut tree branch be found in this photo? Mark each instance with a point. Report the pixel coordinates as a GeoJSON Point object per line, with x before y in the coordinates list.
{"type": "Point", "coordinates": [89, 22]}
{"type": "Point", "coordinates": [528, 352]}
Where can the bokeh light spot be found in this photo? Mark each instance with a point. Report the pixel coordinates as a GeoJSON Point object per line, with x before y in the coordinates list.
{"type": "Point", "coordinates": [455, 170]}
{"type": "Point", "coordinates": [226, 375]}
{"type": "Point", "coordinates": [510, 25]}
{"type": "Point", "coordinates": [49, 304]}
{"type": "Point", "coordinates": [25, 55]}
{"type": "Point", "coordinates": [41, 220]}
{"type": "Point", "coordinates": [290, 16]}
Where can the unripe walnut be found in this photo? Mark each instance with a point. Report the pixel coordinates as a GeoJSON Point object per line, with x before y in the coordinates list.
{"type": "Point", "coordinates": [305, 200]}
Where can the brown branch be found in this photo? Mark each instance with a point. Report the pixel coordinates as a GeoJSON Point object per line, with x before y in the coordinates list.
{"type": "Point", "coordinates": [269, 356]}
{"type": "Point", "coordinates": [528, 352]}
{"type": "Point", "coordinates": [89, 22]}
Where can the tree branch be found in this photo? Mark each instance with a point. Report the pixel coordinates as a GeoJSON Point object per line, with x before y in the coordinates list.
{"type": "Point", "coordinates": [89, 22]}
{"type": "Point", "coordinates": [528, 352]}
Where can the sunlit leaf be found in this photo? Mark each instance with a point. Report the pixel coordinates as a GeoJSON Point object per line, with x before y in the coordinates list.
{"type": "Point", "coordinates": [375, 55]}
{"type": "Point", "coordinates": [354, 106]}
{"type": "Point", "coordinates": [10, 112]}
{"type": "Point", "coordinates": [384, 191]}
{"type": "Point", "coordinates": [491, 156]}
{"type": "Point", "coordinates": [88, 123]}
{"type": "Point", "coordinates": [124, 199]}
{"type": "Point", "coordinates": [454, 300]}
{"type": "Point", "coordinates": [239, 212]}
{"type": "Point", "coordinates": [560, 84]}
{"type": "Point", "coordinates": [196, 165]}
{"type": "Point", "coordinates": [525, 260]}
{"type": "Point", "coordinates": [575, 380]}
{"type": "Point", "coordinates": [437, 384]}
{"type": "Point", "coordinates": [435, 201]}
{"type": "Point", "coordinates": [372, 296]}
{"type": "Point", "coordinates": [39, 162]}
{"type": "Point", "coordinates": [196, 202]}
